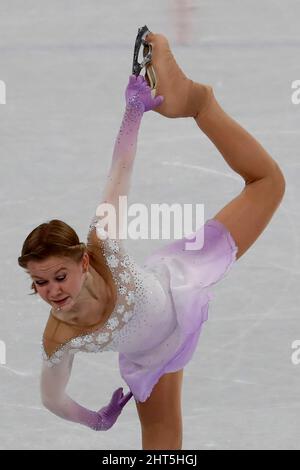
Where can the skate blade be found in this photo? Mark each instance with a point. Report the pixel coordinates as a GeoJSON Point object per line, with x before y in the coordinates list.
{"type": "Point", "coordinates": [151, 79]}
{"type": "Point", "coordinates": [137, 68]}
{"type": "Point", "coordinates": [150, 75]}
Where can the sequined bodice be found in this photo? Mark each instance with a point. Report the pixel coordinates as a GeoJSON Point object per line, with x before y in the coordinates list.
{"type": "Point", "coordinates": [138, 312]}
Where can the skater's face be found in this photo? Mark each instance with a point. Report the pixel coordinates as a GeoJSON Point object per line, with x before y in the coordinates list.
{"type": "Point", "coordinates": [58, 278]}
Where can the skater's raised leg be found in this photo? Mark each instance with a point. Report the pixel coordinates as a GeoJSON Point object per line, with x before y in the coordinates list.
{"type": "Point", "coordinates": [182, 96]}
{"type": "Point", "coordinates": [247, 215]}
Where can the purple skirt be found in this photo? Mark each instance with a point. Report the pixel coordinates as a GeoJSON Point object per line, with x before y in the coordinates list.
{"type": "Point", "coordinates": [191, 274]}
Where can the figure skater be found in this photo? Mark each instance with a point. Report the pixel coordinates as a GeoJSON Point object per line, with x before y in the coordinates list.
{"type": "Point", "coordinates": [151, 315]}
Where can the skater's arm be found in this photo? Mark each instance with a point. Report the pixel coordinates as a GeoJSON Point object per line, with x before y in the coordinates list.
{"type": "Point", "coordinates": [247, 215]}
{"type": "Point", "coordinates": [138, 101]}
{"type": "Point", "coordinates": [118, 181]}
{"type": "Point", "coordinates": [53, 383]}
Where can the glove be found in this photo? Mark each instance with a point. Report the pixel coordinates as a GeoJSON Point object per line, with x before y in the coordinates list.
{"type": "Point", "coordinates": [138, 91]}
{"type": "Point", "coordinates": [108, 415]}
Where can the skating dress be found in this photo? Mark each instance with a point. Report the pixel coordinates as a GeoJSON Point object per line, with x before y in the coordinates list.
{"type": "Point", "coordinates": [160, 306]}
{"type": "Point", "coordinates": [160, 309]}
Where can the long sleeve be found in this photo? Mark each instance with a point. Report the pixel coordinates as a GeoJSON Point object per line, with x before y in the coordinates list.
{"type": "Point", "coordinates": [53, 384]}
{"type": "Point", "coordinates": [119, 176]}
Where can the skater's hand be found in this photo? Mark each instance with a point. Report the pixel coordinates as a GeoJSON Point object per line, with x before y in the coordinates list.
{"type": "Point", "coordinates": [109, 414]}
{"type": "Point", "coordinates": [138, 91]}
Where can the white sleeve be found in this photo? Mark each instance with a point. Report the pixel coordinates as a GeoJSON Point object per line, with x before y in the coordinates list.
{"type": "Point", "coordinates": [53, 384]}
{"type": "Point", "coordinates": [116, 188]}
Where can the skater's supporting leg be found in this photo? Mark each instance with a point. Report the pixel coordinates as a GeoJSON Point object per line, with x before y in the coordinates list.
{"type": "Point", "coordinates": [160, 415]}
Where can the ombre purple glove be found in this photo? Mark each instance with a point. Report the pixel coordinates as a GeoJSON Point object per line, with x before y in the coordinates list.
{"type": "Point", "coordinates": [139, 92]}
{"type": "Point", "coordinates": [108, 415]}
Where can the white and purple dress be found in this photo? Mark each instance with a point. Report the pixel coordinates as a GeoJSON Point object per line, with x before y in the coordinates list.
{"type": "Point", "coordinates": [161, 305]}
{"type": "Point", "coordinates": [160, 309]}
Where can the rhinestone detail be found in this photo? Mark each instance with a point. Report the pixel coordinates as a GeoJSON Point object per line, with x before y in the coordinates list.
{"type": "Point", "coordinates": [130, 288]}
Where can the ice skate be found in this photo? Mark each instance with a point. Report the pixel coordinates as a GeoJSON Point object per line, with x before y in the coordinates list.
{"type": "Point", "coordinates": [182, 97]}
{"type": "Point", "coordinates": [137, 67]}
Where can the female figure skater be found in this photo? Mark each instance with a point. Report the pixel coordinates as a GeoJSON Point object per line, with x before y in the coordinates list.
{"type": "Point", "coordinates": [152, 315]}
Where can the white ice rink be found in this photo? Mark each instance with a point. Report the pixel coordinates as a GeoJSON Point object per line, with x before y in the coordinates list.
{"type": "Point", "coordinates": [65, 64]}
